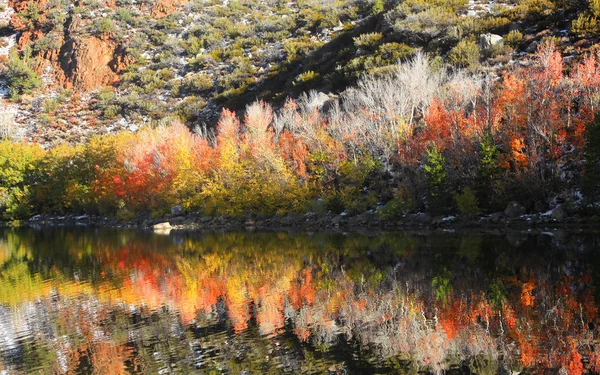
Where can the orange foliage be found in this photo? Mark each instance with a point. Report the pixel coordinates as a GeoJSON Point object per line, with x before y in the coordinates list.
{"type": "Point", "coordinates": [438, 120]}
{"type": "Point", "coordinates": [517, 147]}
{"type": "Point", "coordinates": [294, 152]}
{"type": "Point", "coordinates": [527, 300]}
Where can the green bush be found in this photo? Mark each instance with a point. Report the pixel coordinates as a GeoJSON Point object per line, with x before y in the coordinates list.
{"type": "Point", "coordinates": [491, 24]}
{"type": "Point", "coordinates": [368, 41]}
{"type": "Point", "coordinates": [30, 15]}
{"type": "Point", "coordinates": [198, 82]}
{"type": "Point", "coordinates": [305, 77]}
{"type": "Point", "coordinates": [111, 111]}
{"type": "Point", "coordinates": [20, 77]}
{"type": "Point", "coordinates": [46, 43]}
{"type": "Point", "coordinates": [426, 25]}
{"type": "Point", "coordinates": [104, 26]}
{"type": "Point", "coordinates": [535, 9]}
{"type": "Point", "coordinates": [435, 172]}
{"type": "Point", "coordinates": [467, 203]}
{"type": "Point", "coordinates": [514, 38]}
{"type": "Point", "coordinates": [464, 54]}
{"type": "Point", "coordinates": [585, 25]}
{"type": "Point", "coordinates": [401, 204]}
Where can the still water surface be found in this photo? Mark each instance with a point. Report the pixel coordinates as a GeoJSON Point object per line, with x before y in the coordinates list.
{"type": "Point", "coordinates": [88, 301]}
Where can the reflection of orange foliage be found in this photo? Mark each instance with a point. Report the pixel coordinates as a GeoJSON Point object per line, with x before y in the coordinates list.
{"type": "Point", "coordinates": [109, 359]}
{"type": "Point", "coordinates": [237, 304]}
{"type": "Point", "coordinates": [481, 312]}
{"type": "Point", "coordinates": [452, 319]}
{"type": "Point", "coordinates": [450, 326]}
{"type": "Point", "coordinates": [323, 303]}
{"type": "Point", "coordinates": [509, 317]}
{"type": "Point", "coordinates": [303, 293]}
{"type": "Point", "coordinates": [595, 361]}
{"type": "Point", "coordinates": [573, 361]}
{"type": "Point", "coordinates": [526, 298]}
{"type": "Point", "coordinates": [527, 352]}
{"type": "Point", "coordinates": [361, 304]}
{"type": "Point", "coordinates": [302, 333]}
{"type": "Point", "coordinates": [270, 312]}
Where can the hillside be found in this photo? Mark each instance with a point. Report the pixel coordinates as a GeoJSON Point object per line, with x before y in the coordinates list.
{"type": "Point", "coordinates": [89, 67]}
{"type": "Point", "coordinates": [273, 108]}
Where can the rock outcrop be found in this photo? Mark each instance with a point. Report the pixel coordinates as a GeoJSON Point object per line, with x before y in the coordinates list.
{"type": "Point", "coordinates": [86, 62]}
{"type": "Point", "coordinates": [163, 8]}
{"type": "Point", "coordinates": [79, 60]}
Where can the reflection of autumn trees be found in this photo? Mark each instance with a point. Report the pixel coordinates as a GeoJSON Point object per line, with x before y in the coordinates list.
{"type": "Point", "coordinates": [122, 302]}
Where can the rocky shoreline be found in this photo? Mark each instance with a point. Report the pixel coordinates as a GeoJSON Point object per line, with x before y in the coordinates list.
{"type": "Point", "coordinates": [196, 221]}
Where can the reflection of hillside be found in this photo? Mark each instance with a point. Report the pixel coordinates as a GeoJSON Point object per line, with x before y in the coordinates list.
{"type": "Point", "coordinates": [115, 301]}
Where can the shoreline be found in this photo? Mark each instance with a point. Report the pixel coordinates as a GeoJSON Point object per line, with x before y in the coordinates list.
{"type": "Point", "coordinates": [317, 222]}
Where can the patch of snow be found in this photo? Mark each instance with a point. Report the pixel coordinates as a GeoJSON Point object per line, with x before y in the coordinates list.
{"type": "Point", "coordinates": [7, 43]}
{"type": "Point", "coordinates": [7, 13]}
{"type": "Point", "coordinates": [449, 218]}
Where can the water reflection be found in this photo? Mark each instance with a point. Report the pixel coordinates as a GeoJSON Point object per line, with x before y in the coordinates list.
{"type": "Point", "coordinates": [101, 301]}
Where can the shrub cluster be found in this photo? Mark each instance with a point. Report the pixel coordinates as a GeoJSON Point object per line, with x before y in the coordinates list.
{"type": "Point", "coordinates": [414, 139]}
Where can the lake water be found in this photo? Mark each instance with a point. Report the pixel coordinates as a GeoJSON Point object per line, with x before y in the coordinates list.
{"type": "Point", "coordinates": [113, 301]}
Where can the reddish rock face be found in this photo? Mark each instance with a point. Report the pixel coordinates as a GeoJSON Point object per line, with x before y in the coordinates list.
{"type": "Point", "coordinates": [81, 62]}
{"type": "Point", "coordinates": [21, 5]}
{"type": "Point", "coordinates": [163, 8]}
{"type": "Point", "coordinates": [86, 63]}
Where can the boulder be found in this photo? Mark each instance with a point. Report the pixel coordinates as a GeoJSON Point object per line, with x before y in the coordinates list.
{"type": "Point", "coordinates": [423, 218]}
{"type": "Point", "coordinates": [367, 217]}
{"type": "Point", "coordinates": [162, 226]}
{"type": "Point", "coordinates": [559, 213]}
{"type": "Point", "coordinates": [291, 219]}
{"type": "Point", "coordinates": [496, 217]}
{"type": "Point", "coordinates": [177, 211]}
{"type": "Point", "coordinates": [337, 220]}
{"type": "Point", "coordinates": [514, 209]}
{"type": "Point", "coordinates": [487, 41]}
{"type": "Point", "coordinates": [177, 220]}
{"type": "Point", "coordinates": [532, 47]}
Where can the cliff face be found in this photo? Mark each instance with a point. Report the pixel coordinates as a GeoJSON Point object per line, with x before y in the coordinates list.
{"type": "Point", "coordinates": [76, 60]}
{"type": "Point", "coordinates": [85, 62]}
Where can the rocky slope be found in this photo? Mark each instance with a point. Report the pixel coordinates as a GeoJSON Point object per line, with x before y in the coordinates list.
{"type": "Point", "coordinates": [113, 64]}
